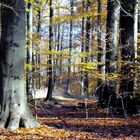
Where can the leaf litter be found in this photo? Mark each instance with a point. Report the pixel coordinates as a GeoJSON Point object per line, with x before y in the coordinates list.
{"type": "Point", "coordinates": [65, 120]}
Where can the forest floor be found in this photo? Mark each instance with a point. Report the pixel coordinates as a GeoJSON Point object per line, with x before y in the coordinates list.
{"type": "Point", "coordinates": [66, 120]}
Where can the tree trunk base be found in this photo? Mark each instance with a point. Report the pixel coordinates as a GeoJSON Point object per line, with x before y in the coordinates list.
{"type": "Point", "coordinates": [16, 114]}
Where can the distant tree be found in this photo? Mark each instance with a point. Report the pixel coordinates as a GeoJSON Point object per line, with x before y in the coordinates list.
{"type": "Point", "coordinates": [138, 17]}
{"type": "Point", "coordinates": [61, 46]}
{"type": "Point", "coordinates": [138, 81]}
{"type": "Point", "coordinates": [14, 111]}
{"type": "Point", "coordinates": [38, 56]}
{"type": "Point", "coordinates": [101, 48]}
{"type": "Point", "coordinates": [70, 48]}
{"type": "Point", "coordinates": [87, 48]}
{"type": "Point", "coordinates": [82, 47]}
{"type": "Point", "coordinates": [29, 56]}
{"type": "Point", "coordinates": [57, 47]}
{"type": "Point", "coordinates": [50, 61]}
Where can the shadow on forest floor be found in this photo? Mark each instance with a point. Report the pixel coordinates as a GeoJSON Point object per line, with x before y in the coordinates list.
{"type": "Point", "coordinates": [69, 115]}
{"type": "Point", "coordinates": [101, 130]}
{"type": "Point", "coordinates": [65, 120]}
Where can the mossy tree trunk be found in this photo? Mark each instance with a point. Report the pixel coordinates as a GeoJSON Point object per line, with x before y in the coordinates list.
{"type": "Point", "coordinates": [14, 110]}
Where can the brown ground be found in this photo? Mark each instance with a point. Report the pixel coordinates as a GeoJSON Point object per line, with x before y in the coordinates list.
{"type": "Point", "coordinates": [65, 120]}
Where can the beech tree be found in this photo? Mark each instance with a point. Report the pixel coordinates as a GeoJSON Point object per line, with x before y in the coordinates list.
{"type": "Point", "coordinates": [29, 79]}
{"type": "Point", "coordinates": [127, 44]}
{"type": "Point", "coordinates": [112, 29]}
{"type": "Point", "coordinates": [87, 48]}
{"type": "Point", "coordinates": [50, 62]}
{"type": "Point", "coordinates": [14, 110]}
{"type": "Point", "coordinates": [38, 59]}
{"type": "Point", "coordinates": [101, 47]}
{"type": "Point", "coordinates": [82, 47]}
{"type": "Point", "coordinates": [70, 48]}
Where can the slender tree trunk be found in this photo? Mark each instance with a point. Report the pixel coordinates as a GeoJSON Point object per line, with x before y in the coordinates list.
{"type": "Point", "coordinates": [61, 47]}
{"type": "Point", "coordinates": [29, 78]}
{"type": "Point", "coordinates": [58, 48]}
{"type": "Point", "coordinates": [138, 53]}
{"type": "Point", "coordinates": [136, 45]}
{"type": "Point", "coordinates": [13, 102]}
{"type": "Point", "coordinates": [82, 49]}
{"type": "Point", "coordinates": [87, 37]}
{"type": "Point", "coordinates": [50, 83]}
{"type": "Point", "coordinates": [54, 60]}
{"type": "Point", "coordinates": [138, 17]}
{"type": "Point", "coordinates": [70, 49]}
{"type": "Point", "coordinates": [34, 68]}
{"type": "Point", "coordinates": [101, 48]}
{"type": "Point", "coordinates": [58, 37]}
{"type": "Point", "coordinates": [38, 51]}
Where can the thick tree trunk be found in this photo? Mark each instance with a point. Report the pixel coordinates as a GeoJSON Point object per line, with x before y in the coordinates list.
{"type": "Point", "coordinates": [14, 110]}
{"type": "Point", "coordinates": [112, 30]}
{"type": "Point", "coordinates": [127, 45]}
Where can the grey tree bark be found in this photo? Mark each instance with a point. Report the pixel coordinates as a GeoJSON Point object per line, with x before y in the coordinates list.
{"type": "Point", "coordinates": [70, 49]}
{"type": "Point", "coordinates": [61, 46]}
{"type": "Point", "coordinates": [14, 110]}
{"type": "Point", "coordinates": [112, 30]}
{"type": "Point", "coordinates": [82, 48]}
{"type": "Point", "coordinates": [38, 59]}
{"type": "Point", "coordinates": [136, 15]}
{"type": "Point", "coordinates": [29, 77]}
